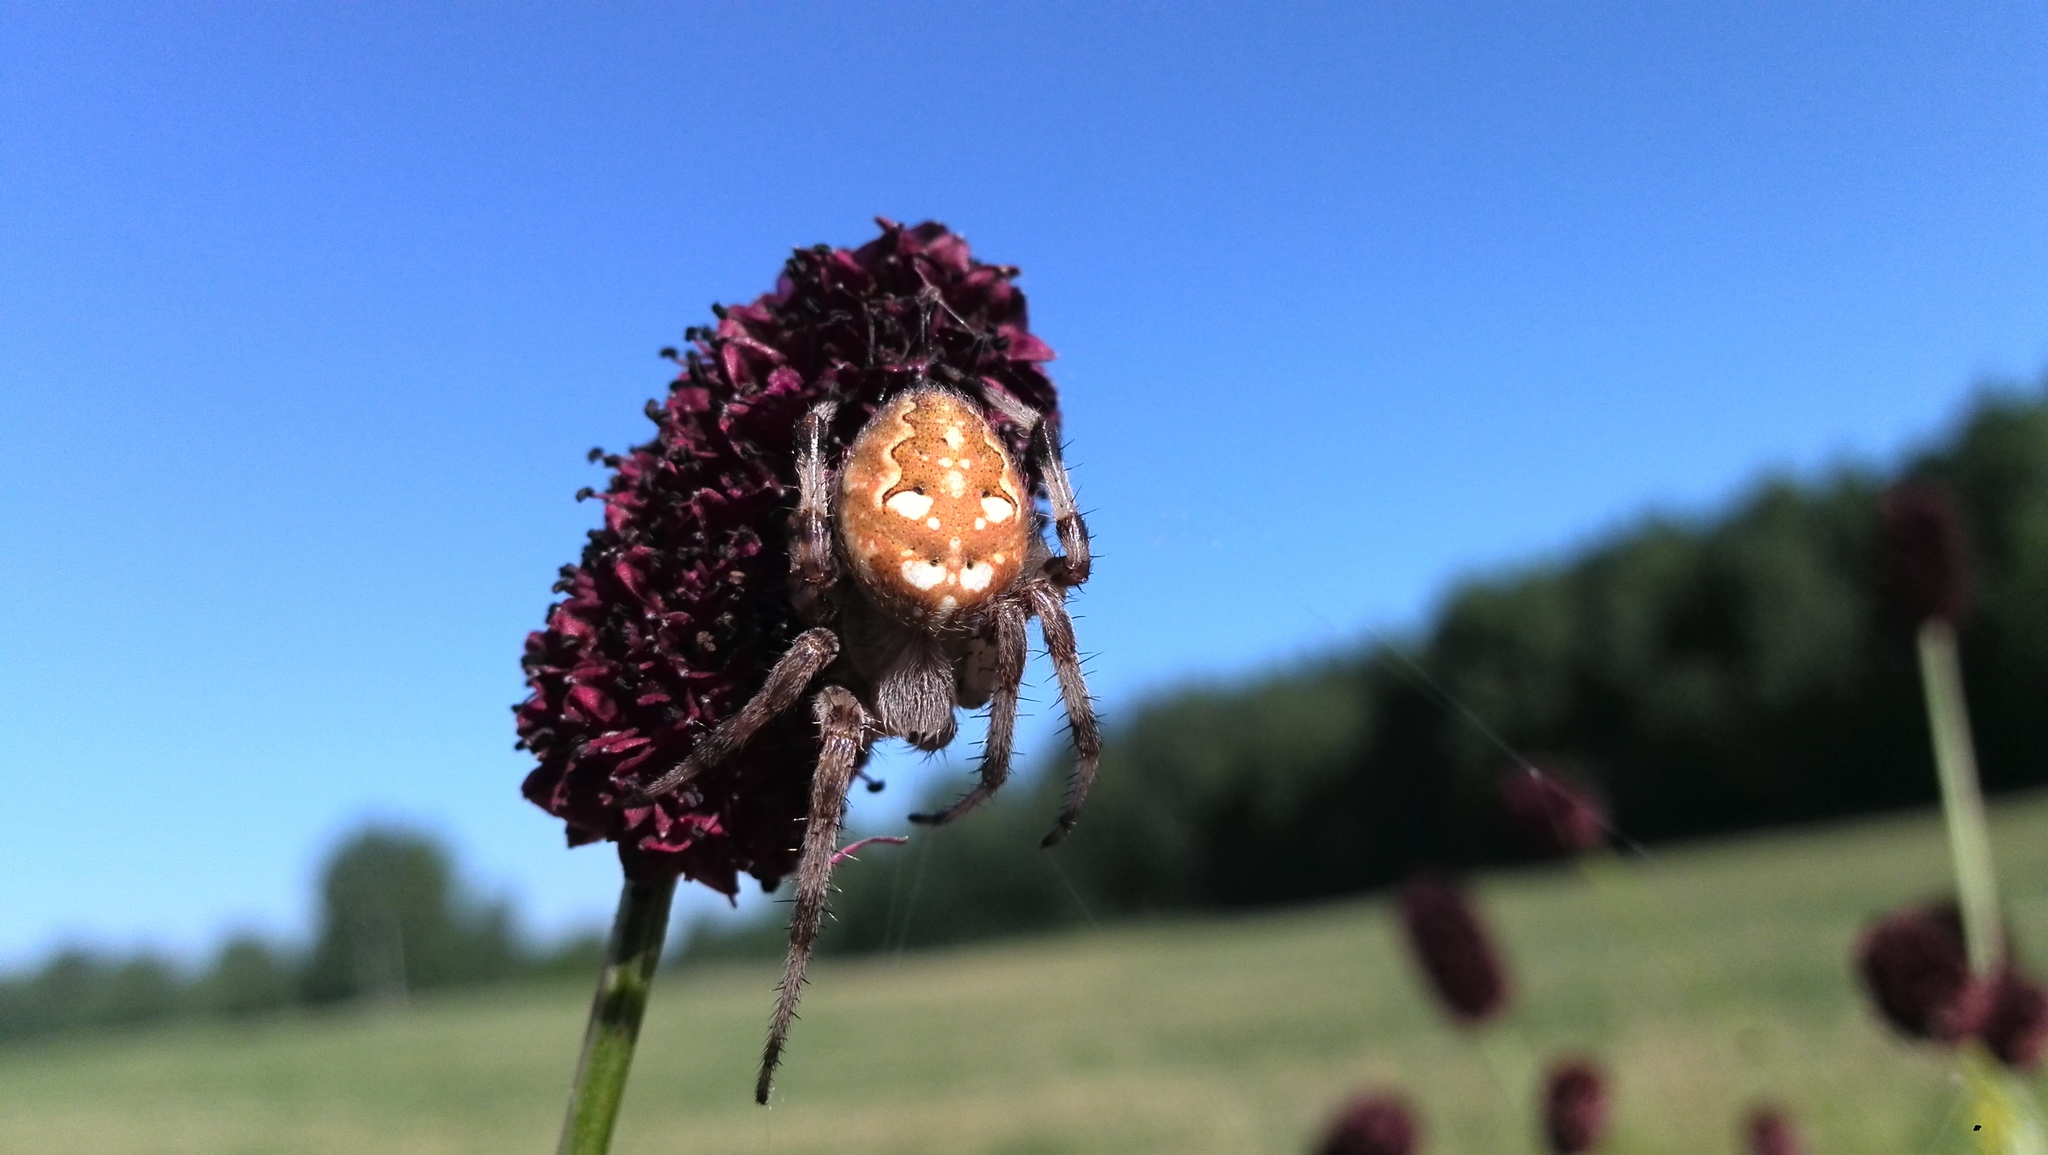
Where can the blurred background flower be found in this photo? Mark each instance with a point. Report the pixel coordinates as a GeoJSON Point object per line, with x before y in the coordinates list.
{"type": "Point", "coordinates": [1574, 1106]}
{"type": "Point", "coordinates": [1374, 1123]}
{"type": "Point", "coordinates": [1770, 1131]}
{"type": "Point", "coordinates": [1453, 949]}
{"type": "Point", "coordinates": [1551, 814]}
{"type": "Point", "coordinates": [1913, 965]}
{"type": "Point", "coordinates": [2016, 1025]}
{"type": "Point", "coordinates": [1926, 554]}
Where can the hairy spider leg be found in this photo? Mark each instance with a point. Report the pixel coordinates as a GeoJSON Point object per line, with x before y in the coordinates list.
{"type": "Point", "coordinates": [1002, 712]}
{"type": "Point", "coordinates": [812, 559]}
{"type": "Point", "coordinates": [812, 651]}
{"type": "Point", "coordinates": [1050, 604]}
{"type": "Point", "coordinates": [842, 729]}
{"type": "Point", "coordinates": [1071, 569]}
{"type": "Point", "coordinates": [1014, 411]}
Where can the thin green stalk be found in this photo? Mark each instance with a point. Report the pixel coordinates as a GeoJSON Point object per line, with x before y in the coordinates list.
{"type": "Point", "coordinates": [638, 932]}
{"type": "Point", "coordinates": [1962, 800]}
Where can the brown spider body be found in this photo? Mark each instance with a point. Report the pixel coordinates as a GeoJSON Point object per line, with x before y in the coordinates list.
{"type": "Point", "coordinates": [937, 524]}
{"type": "Point", "coordinates": [932, 510]}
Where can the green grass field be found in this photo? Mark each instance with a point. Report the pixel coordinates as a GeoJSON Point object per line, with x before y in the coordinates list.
{"type": "Point", "coordinates": [1705, 978]}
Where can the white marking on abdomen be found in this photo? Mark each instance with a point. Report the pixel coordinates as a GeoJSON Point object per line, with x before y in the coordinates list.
{"type": "Point", "coordinates": [924, 574]}
{"type": "Point", "coordinates": [910, 504]}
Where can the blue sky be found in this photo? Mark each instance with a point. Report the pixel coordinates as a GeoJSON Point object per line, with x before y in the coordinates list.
{"type": "Point", "coordinates": [307, 316]}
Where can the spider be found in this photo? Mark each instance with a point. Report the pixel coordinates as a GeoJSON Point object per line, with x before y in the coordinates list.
{"type": "Point", "coordinates": [916, 570]}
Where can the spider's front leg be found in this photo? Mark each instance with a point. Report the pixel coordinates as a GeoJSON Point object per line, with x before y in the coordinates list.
{"type": "Point", "coordinates": [843, 727]}
{"type": "Point", "coordinates": [1002, 712]}
{"type": "Point", "coordinates": [1071, 567]}
{"type": "Point", "coordinates": [812, 651]}
{"type": "Point", "coordinates": [813, 562]}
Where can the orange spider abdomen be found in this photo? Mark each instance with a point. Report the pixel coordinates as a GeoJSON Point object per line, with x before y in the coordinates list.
{"type": "Point", "coordinates": [932, 514]}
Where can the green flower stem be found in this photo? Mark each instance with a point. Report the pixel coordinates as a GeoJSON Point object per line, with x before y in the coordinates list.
{"type": "Point", "coordinates": [1962, 800]}
{"type": "Point", "coordinates": [638, 932]}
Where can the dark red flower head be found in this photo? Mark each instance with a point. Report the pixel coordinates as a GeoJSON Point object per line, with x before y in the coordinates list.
{"type": "Point", "coordinates": [1452, 948]}
{"type": "Point", "coordinates": [1574, 1106]}
{"type": "Point", "coordinates": [1550, 814]}
{"type": "Point", "coordinates": [680, 604]}
{"type": "Point", "coordinates": [1769, 1131]}
{"type": "Point", "coordinates": [1917, 971]}
{"type": "Point", "coordinates": [1926, 555]}
{"type": "Point", "coordinates": [1375, 1123]}
{"type": "Point", "coordinates": [2016, 1027]}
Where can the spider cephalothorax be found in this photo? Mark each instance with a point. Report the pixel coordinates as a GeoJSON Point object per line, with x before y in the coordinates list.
{"type": "Point", "coordinates": [917, 569]}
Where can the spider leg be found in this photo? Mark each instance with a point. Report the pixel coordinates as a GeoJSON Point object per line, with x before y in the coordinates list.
{"type": "Point", "coordinates": [842, 727]}
{"type": "Point", "coordinates": [1072, 568]}
{"type": "Point", "coordinates": [1002, 713]}
{"type": "Point", "coordinates": [1014, 411]}
{"type": "Point", "coordinates": [812, 651]}
{"type": "Point", "coordinates": [1049, 601]}
{"type": "Point", "coordinates": [812, 561]}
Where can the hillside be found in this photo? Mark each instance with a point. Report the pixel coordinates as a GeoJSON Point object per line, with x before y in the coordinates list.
{"type": "Point", "coordinates": [1705, 976]}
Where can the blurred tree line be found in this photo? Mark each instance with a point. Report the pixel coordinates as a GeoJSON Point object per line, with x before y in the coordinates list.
{"type": "Point", "coordinates": [1705, 675]}
{"type": "Point", "coordinates": [393, 920]}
